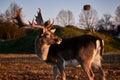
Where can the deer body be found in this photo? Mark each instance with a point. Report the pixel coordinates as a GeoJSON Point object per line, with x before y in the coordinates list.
{"type": "Point", "coordinates": [85, 50]}
{"type": "Point", "coordinates": [70, 48]}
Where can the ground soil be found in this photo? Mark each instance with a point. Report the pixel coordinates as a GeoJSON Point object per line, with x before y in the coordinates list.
{"type": "Point", "coordinates": [29, 67]}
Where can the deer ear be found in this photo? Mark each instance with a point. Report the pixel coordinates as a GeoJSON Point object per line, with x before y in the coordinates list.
{"type": "Point", "coordinates": [53, 30]}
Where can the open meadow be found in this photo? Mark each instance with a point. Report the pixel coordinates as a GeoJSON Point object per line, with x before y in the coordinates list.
{"type": "Point", "coordinates": [29, 67]}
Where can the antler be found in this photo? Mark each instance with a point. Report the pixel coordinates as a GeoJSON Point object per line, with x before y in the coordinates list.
{"type": "Point", "coordinates": [19, 19]}
{"type": "Point", "coordinates": [39, 21]}
{"type": "Point", "coordinates": [39, 18]}
{"type": "Point", "coordinates": [50, 25]}
{"type": "Point", "coordinates": [36, 26]}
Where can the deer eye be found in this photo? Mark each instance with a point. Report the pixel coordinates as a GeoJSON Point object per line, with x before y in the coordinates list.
{"type": "Point", "coordinates": [47, 35]}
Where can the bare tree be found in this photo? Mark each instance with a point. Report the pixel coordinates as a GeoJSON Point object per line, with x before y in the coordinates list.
{"type": "Point", "coordinates": [106, 18]}
{"type": "Point", "coordinates": [117, 14]}
{"type": "Point", "coordinates": [88, 18]}
{"type": "Point", "coordinates": [65, 17]}
{"type": "Point", "coordinates": [11, 11]}
{"type": "Point", "coordinates": [105, 22]}
{"type": "Point", "coordinates": [1, 17]}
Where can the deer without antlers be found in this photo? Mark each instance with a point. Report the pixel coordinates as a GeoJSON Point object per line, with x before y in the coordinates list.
{"type": "Point", "coordinates": [85, 50]}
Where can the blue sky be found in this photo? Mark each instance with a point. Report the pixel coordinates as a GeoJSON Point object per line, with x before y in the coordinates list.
{"type": "Point", "coordinates": [50, 8]}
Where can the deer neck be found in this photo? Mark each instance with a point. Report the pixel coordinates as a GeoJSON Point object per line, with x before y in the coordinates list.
{"type": "Point", "coordinates": [44, 51]}
{"type": "Point", "coordinates": [41, 48]}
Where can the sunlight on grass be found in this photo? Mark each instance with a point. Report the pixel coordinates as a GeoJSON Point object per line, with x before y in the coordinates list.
{"type": "Point", "coordinates": [26, 43]}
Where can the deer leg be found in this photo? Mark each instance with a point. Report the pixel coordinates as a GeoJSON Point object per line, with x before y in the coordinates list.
{"type": "Point", "coordinates": [102, 75]}
{"type": "Point", "coordinates": [61, 68]}
{"type": "Point", "coordinates": [62, 72]}
{"type": "Point", "coordinates": [55, 73]}
{"type": "Point", "coordinates": [88, 70]}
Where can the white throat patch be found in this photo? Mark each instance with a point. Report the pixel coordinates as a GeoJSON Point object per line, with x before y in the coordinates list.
{"type": "Point", "coordinates": [44, 51]}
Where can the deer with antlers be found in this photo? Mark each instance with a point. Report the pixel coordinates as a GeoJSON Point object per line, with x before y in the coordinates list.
{"type": "Point", "coordinates": [85, 50]}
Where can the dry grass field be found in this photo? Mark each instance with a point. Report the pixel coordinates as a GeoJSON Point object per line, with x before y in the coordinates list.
{"type": "Point", "coordinates": [29, 67]}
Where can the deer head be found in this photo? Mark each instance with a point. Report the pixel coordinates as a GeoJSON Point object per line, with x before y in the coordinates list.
{"type": "Point", "coordinates": [47, 36]}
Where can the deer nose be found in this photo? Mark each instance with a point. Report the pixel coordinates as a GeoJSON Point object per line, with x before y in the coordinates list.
{"type": "Point", "coordinates": [58, 40]}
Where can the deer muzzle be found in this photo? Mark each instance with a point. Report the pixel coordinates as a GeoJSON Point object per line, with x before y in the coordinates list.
{"type": "Point", "coordinates": [58, 40]}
